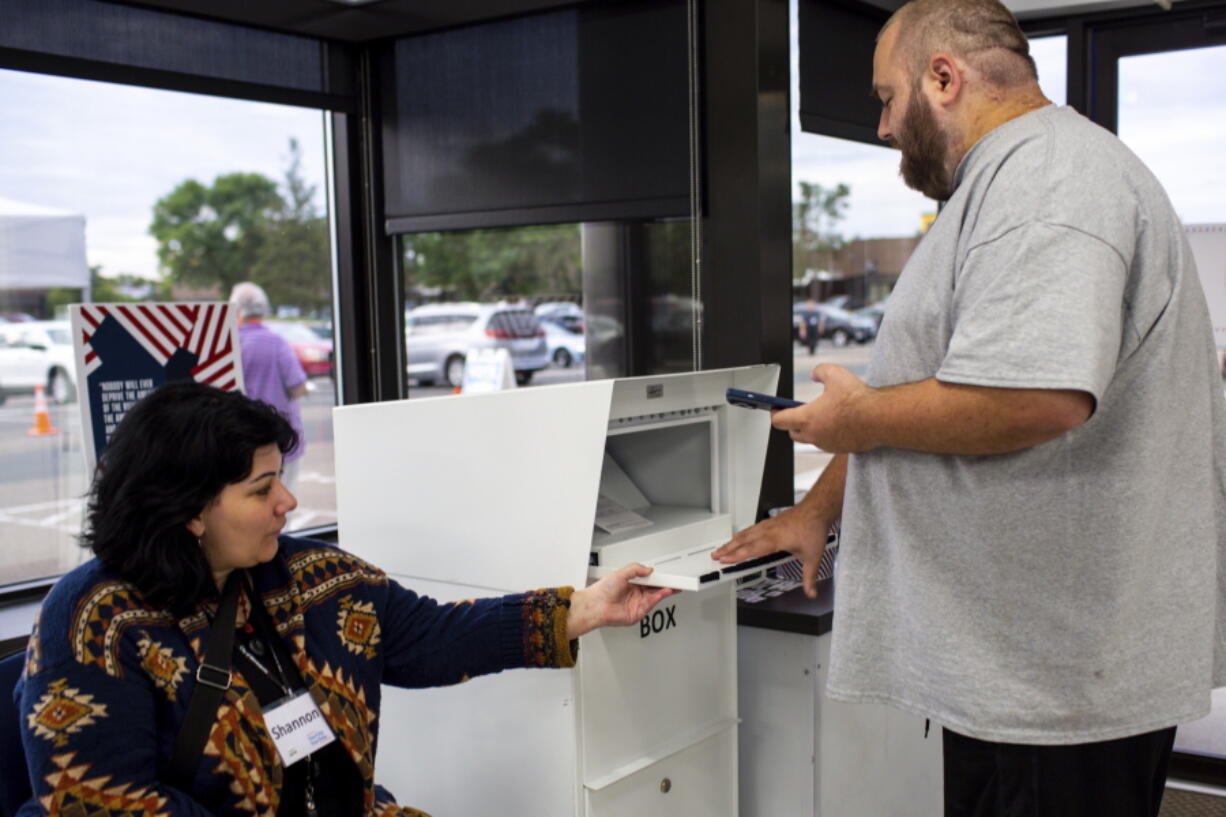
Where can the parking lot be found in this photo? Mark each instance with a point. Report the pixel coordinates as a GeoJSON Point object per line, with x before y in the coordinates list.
{"type": "Point", "coordinates": [43, 482]}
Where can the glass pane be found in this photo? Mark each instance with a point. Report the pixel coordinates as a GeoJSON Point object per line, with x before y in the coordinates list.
{"type": "Point", "coordinates": [516, 290]}
{"type": "Point", "coordinates": [171, 196]}
{"type": "Point", "coordinates": [1172, 112]}
{"type": "Point", "coordinates": [855, 224]}
{"type": "Point", "coordinates": [1051, 59]}
{"type": "Point", "coordinates": [554, 297]}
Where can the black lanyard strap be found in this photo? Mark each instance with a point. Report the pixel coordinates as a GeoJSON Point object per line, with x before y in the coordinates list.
{"type": "Point", "coordinates": [212, 680]}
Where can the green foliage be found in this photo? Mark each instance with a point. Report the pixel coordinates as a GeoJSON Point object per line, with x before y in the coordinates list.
{"type": "Point", "coordinates": [242, 228]}
{"type": "Point", "coordinates": [481, 265]}
{"type": "Point", "coordinates": [109, 289]}
{"type": "Point", "coordinates": [213, 235]}
{"type": "Point", "coordinates": [292, 264]}
{"type": "Point", "coordinates": [815, 219]}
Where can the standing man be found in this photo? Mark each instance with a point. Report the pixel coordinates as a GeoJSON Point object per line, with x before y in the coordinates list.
{"type": "Point", "coordinates": [812, 325]}
{"type": "Point", "coordinates": [1032, 477]}
{"type": "Point", "coordinates": [271, 371]}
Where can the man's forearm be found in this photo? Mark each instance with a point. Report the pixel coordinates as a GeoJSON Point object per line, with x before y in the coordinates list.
{"type": "Point", "coordinates": [825, 499]}
{"type": "Point", "coordinates": [930, 416]}
{"type": "Point", "coordinates": [950, 418]}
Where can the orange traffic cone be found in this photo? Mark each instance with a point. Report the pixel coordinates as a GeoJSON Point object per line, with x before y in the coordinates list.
{"type": "Point", "coordinates": [42, 417]}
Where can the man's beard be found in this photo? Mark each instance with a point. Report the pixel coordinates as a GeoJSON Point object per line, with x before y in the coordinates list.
{"type": "Point", "coordinates": [924, 150]}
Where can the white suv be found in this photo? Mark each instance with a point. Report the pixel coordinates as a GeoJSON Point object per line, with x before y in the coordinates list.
{"type": "Point", "coordinates": [438, 337]}
{"type": "Point", "coordinates": [37, 353]}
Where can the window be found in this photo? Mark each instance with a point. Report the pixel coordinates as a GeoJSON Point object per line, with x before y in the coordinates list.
{"type": "Point", "coordinates": [132, 179]}
{"type": "Point", "coordinates": [1051, 59]}
{"type": "Point", "coordinates": [1172, 106]}
{"type": "Point", "coordinates": [1173, 125]}
{"type": "Point", "coordinates": [553, 297]}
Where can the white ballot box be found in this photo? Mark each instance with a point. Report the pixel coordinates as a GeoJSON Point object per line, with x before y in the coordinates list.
{"type": "Point", "coordinates": [479, 495]}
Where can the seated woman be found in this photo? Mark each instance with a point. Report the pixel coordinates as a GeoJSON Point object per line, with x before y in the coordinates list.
{"type": "Point", "coordinates": [184, 519]}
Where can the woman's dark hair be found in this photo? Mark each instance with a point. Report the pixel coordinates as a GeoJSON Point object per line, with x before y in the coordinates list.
{"type": "Point", "coordinates": [170, 456]}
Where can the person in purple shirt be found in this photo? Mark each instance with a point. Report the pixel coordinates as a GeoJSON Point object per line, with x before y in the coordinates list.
{"type": "Point", "coordinates": [271, 371]}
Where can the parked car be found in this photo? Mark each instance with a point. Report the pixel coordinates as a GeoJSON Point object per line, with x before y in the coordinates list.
{"type": "Point", "coordinates": [564, 313]}
{"type": "Point", "coordinates": [37, 353]}
{"type": "Point", "coordinates": [874, 312]}
{"type": "Point", "coordinates": [844, 301]}
{"type": "Point", "coordinates": [312, 351]}
{"type": "Point", "coordinates": [438, 337]}
{"type": "Point", "coordinates": [566, 347]}
{"type": "Point", "coordinates": [323, 330]}
{"type": "Point", "coordinates": [839, 326]}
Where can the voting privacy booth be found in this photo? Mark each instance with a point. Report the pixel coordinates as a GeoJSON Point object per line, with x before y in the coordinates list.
{"type": "Point", "coordinates": [465, 496]}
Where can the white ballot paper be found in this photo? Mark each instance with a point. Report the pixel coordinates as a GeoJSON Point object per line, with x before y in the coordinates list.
{"type": "Point", "coordinates": [613, 517]}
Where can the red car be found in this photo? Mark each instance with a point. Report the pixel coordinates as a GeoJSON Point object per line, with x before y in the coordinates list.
{"type": "Point", "coordinates": [312, 351]}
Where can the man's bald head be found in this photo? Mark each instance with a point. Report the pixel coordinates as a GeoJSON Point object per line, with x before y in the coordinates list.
{"type": "Point", "coordinates": [983, 33]}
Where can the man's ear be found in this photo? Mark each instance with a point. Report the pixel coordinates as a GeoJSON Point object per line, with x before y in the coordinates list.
{"type": "Point", "coordinates": [944, 78]}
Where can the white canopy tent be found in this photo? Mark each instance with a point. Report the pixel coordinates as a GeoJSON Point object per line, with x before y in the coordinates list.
{"type": "Point", "coordinates": [41, 247]}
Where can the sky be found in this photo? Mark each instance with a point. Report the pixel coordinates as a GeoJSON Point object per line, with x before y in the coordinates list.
{"type": "Point", "coordinates": [1172, 114]}
{"type": "Point", "coordinates": [110, 151]}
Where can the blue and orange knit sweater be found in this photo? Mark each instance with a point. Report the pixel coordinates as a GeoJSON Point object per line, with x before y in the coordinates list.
{"type": "Point", "coordinates": [108, 679]}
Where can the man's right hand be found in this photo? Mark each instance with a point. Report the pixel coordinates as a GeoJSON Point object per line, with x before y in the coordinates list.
{"type": "Point", "coordinates": [796, 530]}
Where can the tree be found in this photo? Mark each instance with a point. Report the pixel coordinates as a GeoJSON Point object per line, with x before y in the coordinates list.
{"type": "Point", "coordinates": [292, 264]}
{"type": "Point", "coordinates": [243, 228]}
{"type": "Point", "coordinates": [815, 219]}
{"type": "Point", "coordinates": [487, 264]}
{"type": "Point", "coordinates": [213, 236]}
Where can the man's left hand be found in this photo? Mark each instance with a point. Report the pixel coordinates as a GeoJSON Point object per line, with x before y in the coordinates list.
{"type": "Point", "coordinates": [835, 420]}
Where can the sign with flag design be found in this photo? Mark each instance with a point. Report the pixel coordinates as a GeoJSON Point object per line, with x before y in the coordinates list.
{"type": "Point", "coordinates": [124, 351]}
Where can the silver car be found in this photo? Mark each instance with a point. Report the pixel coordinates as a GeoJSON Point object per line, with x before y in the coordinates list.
{"type": "Point", "coordinates": [438, 337]}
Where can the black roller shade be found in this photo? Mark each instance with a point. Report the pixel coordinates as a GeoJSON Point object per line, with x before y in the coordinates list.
{"type": "Point", "coordinates": [836, 68]}
{"type": "Point", "coordinates": [112, 42]}
{"type": "Point", "coordinates": [572, 115]}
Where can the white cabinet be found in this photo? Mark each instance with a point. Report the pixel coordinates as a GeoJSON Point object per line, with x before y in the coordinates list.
{"type": "Point", "coordinates": [649, 690]}
{"type": "Point", "coordinates": [804, 754]}
{"type": "Point", "coordinates": [681, 785]}
{"type": "Point", "coordinates": [478, 495]}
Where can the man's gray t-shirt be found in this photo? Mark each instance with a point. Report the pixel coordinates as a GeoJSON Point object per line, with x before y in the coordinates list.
{"type": "Point", "coordinates": [1068, 592]}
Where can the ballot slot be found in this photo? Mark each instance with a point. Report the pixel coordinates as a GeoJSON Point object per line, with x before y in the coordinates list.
{"type": "Point", "coordinates": [663, 501]}
{"type": "Point", "coordinates": [657, 480]}
{"type": "Point", "coordinates": [662, 497]}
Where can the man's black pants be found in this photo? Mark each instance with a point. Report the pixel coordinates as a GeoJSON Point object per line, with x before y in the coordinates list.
{"type": "Point", "coordinates": [1114, 778]}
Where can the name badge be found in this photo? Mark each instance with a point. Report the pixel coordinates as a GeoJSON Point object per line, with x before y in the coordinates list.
{"type": "Point", "coordinates": [297, 727]}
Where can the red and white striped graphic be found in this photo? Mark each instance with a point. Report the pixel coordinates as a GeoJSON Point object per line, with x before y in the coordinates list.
{"type": "Point", "coordinates": [202, 329]}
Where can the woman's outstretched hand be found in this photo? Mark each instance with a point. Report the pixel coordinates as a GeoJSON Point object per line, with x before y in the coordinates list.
{"type": "Point", "coordinates": [613, 600]}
